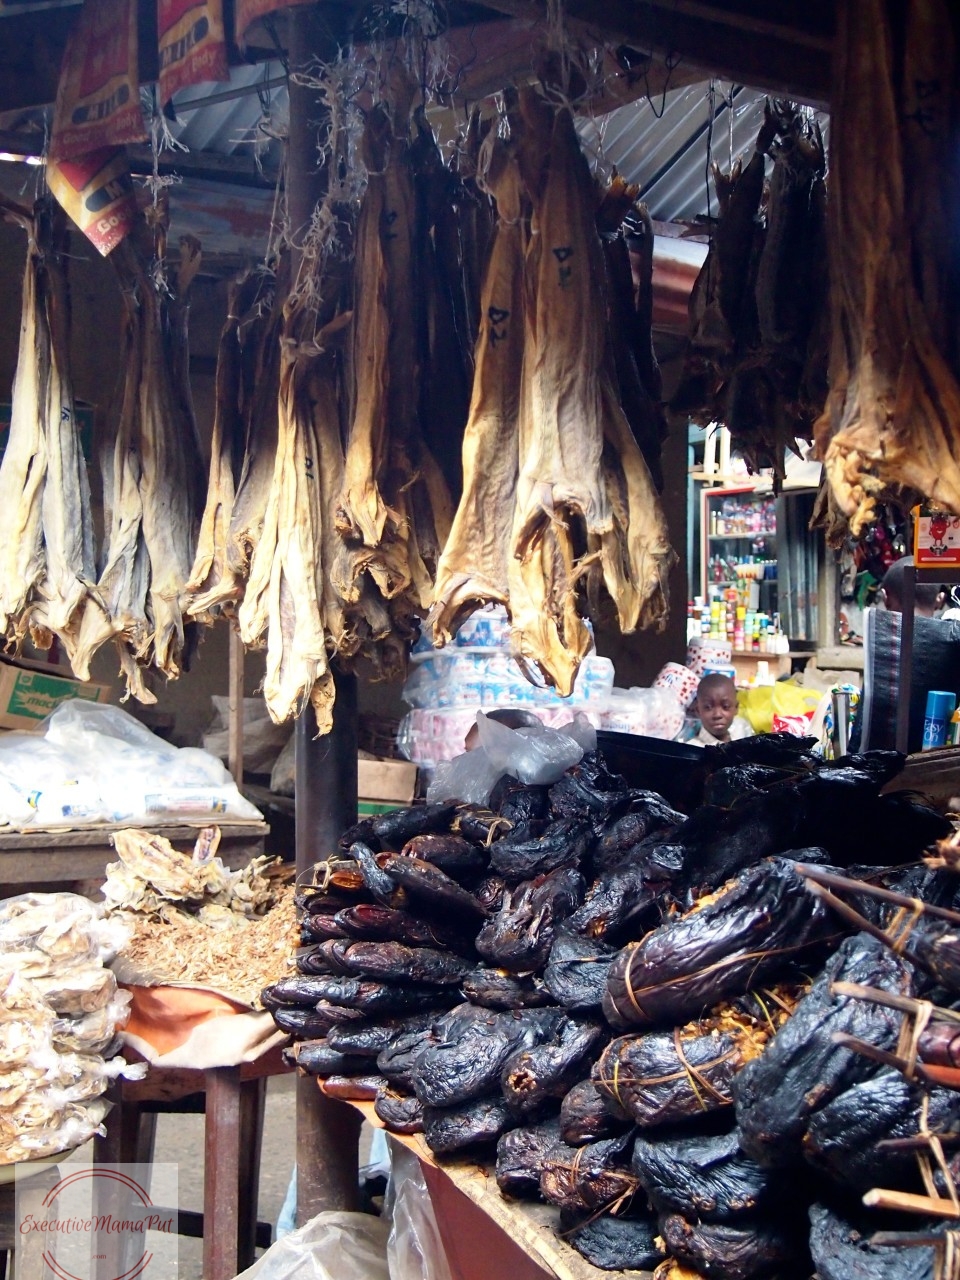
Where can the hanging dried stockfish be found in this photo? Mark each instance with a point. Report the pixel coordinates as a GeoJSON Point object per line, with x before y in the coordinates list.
{"type": "Point", "coordinates": [891, 418]}
{"type": "Point", "coordinates": [24, 461]}
{"type": "Point", "coordinates": [586, 505]}
{"type": "Point", "coordinates": [260, 390]}
{"type": "Point", "coordinates": [43, 478]}
{"type": "Point", "coordinates": [151, 484]}
{"type": "Point", "coordinates": [282, 598]}
{"type": "Point", "coordinates": [394, 505]}
{"type": "Point", "coordinates": [473, 566]}
{"type": "Point", "coordinates": [213, 584]}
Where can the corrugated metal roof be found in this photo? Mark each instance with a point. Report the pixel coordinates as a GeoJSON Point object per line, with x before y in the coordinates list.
{"type": "Point", "coordinates": [661, 144]}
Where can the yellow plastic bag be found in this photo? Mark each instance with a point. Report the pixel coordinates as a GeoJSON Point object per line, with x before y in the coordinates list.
{"type": "Point", "coordinates": [780, 707]}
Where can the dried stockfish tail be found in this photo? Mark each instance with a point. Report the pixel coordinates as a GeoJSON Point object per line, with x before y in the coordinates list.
{"type": "Point", "coordinates": [23, 469]}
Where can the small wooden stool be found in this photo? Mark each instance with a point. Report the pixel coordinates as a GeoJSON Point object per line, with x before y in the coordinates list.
{"type": "Point", "coordinates": [232, 1100]}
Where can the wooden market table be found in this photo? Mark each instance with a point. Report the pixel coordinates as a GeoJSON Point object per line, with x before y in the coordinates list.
{"type": "Point", "coordinates": [486, 1235]}
{"type": "Point", "coordinates": [45, 858]}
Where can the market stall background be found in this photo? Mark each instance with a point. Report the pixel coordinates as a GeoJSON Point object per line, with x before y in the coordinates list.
{"type": "Point", "coordinates": [692, 121]}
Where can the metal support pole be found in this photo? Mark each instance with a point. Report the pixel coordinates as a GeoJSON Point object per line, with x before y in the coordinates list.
{"type": "Point", "coordinates": [328, 1132]}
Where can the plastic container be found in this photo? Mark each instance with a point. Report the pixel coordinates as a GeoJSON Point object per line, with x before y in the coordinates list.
{"type": "Point", "coordinates": [940, 708]}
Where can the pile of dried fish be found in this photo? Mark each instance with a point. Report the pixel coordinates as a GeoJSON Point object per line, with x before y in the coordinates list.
{"type": "Point", "coordinates": [758, 312]}
{"type": "Point", "coordinates": [652, 1018]}
{"type": "Point", "coordinates": [192, 921]}
{"type": "Point", "coordinates": [60, 1011]}
{"type": "Point", "coordinates": [890, 425]}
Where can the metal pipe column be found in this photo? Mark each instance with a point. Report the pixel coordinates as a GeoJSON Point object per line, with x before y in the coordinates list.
{"type": "Point", "coordinates": [328, 1132]}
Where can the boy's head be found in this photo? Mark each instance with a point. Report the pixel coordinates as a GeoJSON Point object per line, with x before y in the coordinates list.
{"type": "Point", "coordinates": [717, 705]}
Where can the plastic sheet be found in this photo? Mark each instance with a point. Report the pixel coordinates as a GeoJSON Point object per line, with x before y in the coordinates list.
{"type": "Point", "coordinates": [414, 1249]}
{"type": "Point", "coordinates": [335, 1245]}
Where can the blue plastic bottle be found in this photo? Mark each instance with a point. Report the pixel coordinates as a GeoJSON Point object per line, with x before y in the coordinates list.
{"type": "Point", "coordinates": [936, 721]}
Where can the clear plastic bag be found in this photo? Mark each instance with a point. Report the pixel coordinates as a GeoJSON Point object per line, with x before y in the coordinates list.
{"type": "Point", "coordinates": [332, 1246]}
{"type": "Point", "coordinates": [415, 1250]}
{"type": "Point", "coordinates": [537, 756]}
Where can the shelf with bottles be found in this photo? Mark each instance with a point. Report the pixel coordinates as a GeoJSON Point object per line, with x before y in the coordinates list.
{"type": "Point", "coordinates": [741, 516]}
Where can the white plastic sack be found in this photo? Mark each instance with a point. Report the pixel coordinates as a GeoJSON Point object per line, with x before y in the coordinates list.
{"type": "Point", "coordinates": [534, 754]}
{"type": "Point", "coordinates": [332, 1246]}
{"type": "Point", "coordinates": [414, 1250]}
{"type": "Point", "coordinates": [89, 763]}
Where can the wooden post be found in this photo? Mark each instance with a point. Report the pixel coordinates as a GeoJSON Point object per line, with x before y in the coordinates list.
{"type": "Point", "coordinates": [235, 709]}
{"type": "Point", "coordinates": [328, 1132]}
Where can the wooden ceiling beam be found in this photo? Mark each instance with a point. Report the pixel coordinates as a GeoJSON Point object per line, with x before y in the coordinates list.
{"type": "Point", "coordinates": [795, 68]}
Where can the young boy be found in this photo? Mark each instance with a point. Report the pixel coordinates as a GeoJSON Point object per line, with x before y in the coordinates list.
{"type": "Point", "coordinates": [716, 705]}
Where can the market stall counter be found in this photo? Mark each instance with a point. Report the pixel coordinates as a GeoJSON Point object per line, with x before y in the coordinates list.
{"type": "Point", "coordinates": [486, 1235]}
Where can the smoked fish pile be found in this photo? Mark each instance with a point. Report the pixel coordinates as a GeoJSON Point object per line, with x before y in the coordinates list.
{"type": "Point", "coordinates": [890, 426]}
{"type": "Point", "coordinates": [759, 314]}
{"type": "Point", "coordinates": [650, 1020]}
{"type": "Point", "coordinates": [558, 506]}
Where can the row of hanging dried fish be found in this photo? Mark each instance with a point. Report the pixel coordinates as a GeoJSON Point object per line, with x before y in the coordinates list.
{"type": "Point", "coordinates": [757, 359]}
{"type": "Point", "coordinates": [487, 307]}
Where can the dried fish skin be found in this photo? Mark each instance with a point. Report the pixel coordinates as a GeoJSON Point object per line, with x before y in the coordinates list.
{"type": "Point", "coordinates": [802, 1069]}
{"type": "Point", "coordinates": [577, 970]}
{"type": "Point", "coordinates": [400, 1112]}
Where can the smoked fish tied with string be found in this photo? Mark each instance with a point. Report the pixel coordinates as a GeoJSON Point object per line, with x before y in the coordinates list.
{"type": "Point", "coordinates": [753, 927]}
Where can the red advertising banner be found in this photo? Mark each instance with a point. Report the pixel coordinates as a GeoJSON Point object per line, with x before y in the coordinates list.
{"type": "Point", "coordinates": [246, 12]}
{"type": "Point", "coordinates": [98, 97]}
{"type": "Point", "coordinates": [192, 43]}
{"type": "Point", "coordinates": [97, 193]}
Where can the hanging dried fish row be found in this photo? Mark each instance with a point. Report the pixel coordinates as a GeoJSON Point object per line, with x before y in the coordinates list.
{"type": "Point", "coordinates": [662, 1045]}
{"type": "Point", "coordinates": [47, 571]}
{"type": "Point", "coordinates": [758, 312]}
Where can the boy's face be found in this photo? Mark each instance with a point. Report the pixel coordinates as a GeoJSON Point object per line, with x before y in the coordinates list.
{"type": "Point", "coordinates": [717, 706]}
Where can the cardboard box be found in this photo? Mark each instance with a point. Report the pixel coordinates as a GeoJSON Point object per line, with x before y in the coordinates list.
{"type": "Point", "coordinates": [29, 691]}
{"type": "Point", "coordinates": [391, 781]}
